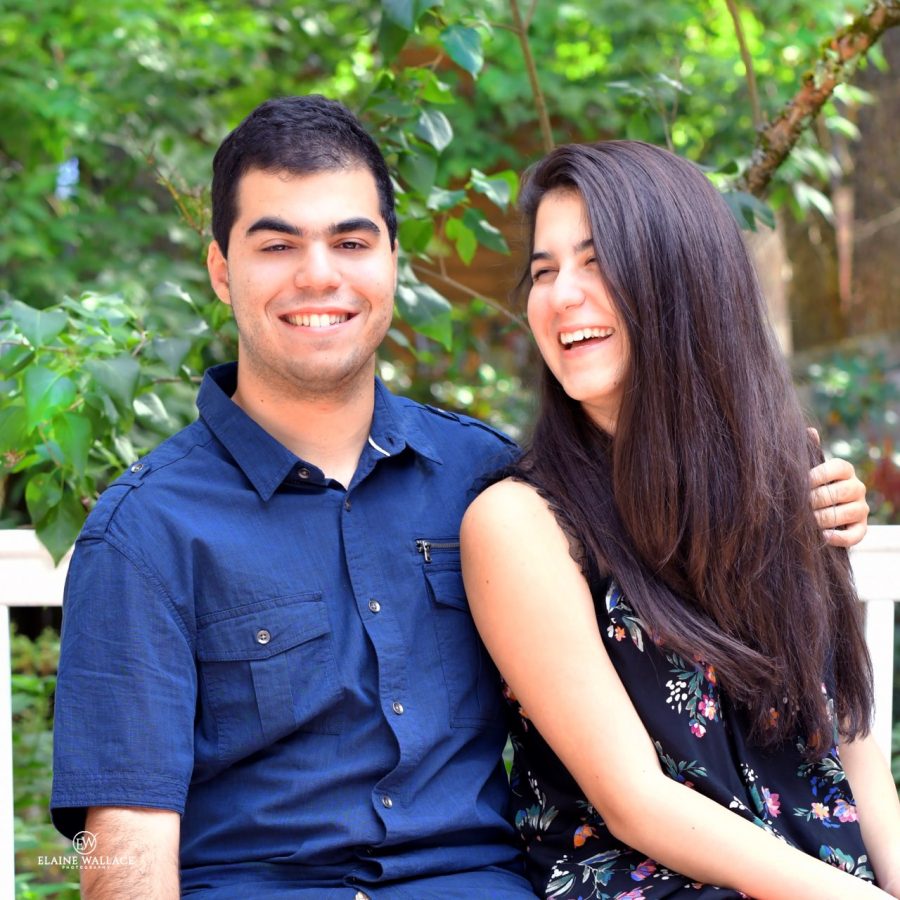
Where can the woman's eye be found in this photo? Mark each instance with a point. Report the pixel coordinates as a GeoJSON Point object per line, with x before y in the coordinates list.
{"type": "Point", "coordinates": [539, 274]}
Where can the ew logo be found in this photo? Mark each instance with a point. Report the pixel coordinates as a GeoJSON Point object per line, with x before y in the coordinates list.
{"type": "Point", "coordinates": [84, 842]}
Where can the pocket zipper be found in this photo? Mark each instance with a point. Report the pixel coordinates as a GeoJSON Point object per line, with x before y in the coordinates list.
{"type": "Point", "coordinates": [425, 547]}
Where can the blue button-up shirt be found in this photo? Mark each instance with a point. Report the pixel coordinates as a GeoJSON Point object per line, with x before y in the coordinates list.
{"type": "Point", "coordinates": [288, 663]}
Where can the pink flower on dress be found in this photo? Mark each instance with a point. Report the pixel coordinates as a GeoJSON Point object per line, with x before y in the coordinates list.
{"type": "Point", "coordinates": [707, 707]}
{"type": "Point", "coordinates": [697, 729]}
{"type": "Point", "coordinates": [820, 810]}
{"type": "Point", "coordinates": [772, 801]}
{"type": "Point", "coordinates": [635, 894]}
{"type": "Point", "coordinates": [845, 812]}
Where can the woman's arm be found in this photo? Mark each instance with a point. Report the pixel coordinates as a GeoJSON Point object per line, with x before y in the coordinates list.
{"type": "Point", "coordinates": [877, 807]}
{"type": "Point", "coordinates": [536, 616]}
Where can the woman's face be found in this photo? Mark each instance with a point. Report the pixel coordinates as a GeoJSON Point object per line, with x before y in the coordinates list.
{"type": "Point", "coordinates": [574, 322]}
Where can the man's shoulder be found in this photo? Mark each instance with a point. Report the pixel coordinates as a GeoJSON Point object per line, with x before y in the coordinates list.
{"type": "Point", "coordinates": [444, 423]}
{"type": "Point", "coordinates": [142, 486]}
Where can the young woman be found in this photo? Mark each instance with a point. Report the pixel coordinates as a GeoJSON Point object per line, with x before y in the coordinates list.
{"type": "Point", "coordinates": [683, 651]}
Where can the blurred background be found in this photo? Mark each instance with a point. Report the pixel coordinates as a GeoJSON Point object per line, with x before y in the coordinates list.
{"type": "Point", "coordinates": [110, 114]}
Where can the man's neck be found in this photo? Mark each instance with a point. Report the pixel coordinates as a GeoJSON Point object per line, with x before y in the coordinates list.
{"type": "Point", "coordinates": [329, 432]}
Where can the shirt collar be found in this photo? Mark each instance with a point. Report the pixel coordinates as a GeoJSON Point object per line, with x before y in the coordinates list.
{"type": "Point", "coordinates": [265, 461]}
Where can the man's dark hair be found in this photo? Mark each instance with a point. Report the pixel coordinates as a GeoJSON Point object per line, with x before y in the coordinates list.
{"type": "Point", "coordinates": [301, 136]}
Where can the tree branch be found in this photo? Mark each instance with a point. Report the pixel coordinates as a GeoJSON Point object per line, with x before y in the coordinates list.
{"type": "Point", "coordinates": [835, 65]}
{"type": "Point", "coordinates": [540, 105]}
{"type": "Point", "coordinates": [748, 63]}
{"type": "Point", "coordinates": [419, 269]}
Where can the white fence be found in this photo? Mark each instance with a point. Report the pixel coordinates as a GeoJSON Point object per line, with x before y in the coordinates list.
{"type": "Point", "coordinates": [28, 578]}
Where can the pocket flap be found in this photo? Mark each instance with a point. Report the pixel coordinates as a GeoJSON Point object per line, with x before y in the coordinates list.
{"type": "Point", "coordinates": [447, 587]}
{"type": "Point", "coordinates": [262, 629]}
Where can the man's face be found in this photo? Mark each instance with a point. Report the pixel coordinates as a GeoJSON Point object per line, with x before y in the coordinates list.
{"type": "Point", "coordinates": [310, 277]}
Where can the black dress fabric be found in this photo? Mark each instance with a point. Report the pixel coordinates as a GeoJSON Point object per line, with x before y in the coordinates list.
{"type": "Point", "coordinates": [700, 739]}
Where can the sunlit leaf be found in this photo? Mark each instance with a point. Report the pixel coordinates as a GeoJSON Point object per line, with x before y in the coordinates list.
{"type": "Point", "coordinates": [39, 326]}
{"type": "Point", "coordinates": [434, 128]}
{"type": "Point", "coordinates": [426, 311]}
{"type": "Point", "coordinates": [463, 45]}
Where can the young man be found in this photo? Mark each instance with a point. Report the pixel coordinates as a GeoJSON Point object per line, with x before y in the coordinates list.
{"type": "Point", "coordinates": [270, 683]}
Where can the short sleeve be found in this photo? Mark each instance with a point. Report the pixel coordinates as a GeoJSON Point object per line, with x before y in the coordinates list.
{"type": "Point", "coordinates": [126, 690]}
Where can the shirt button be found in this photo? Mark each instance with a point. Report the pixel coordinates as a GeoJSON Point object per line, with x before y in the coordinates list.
{"type": "Point", "coordinates": [359, 895]}
{"type": "Point", "coordinates": [397, 707]}
{"type": "Point", "coordinates": [347, 504]}
{"type": "Point", "coordinates": [374, 606]}
{"type": "Point", "coordinates": [137, 467]}
{"type": "Point", "coordinates": [303, 473]}
{"type": "Point", "coordinates": [263, 636]}
{"type": "Point", "coordinates": [386, 801]}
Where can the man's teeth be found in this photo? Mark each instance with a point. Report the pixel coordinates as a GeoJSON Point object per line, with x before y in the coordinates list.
{"type": "Point", "coordinates": [567, 338]}
{"type": "Point", "coordinates": [316, 320]}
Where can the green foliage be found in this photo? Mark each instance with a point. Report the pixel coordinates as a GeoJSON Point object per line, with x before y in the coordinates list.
{"type": "Point", "coordinates": [88, 384]}
{"type": "Point", "coordinates": [112, 114]}
{"type": "Point", "coordinates": [854, 395]}
{"type": "Point", "coordinates": [34, 666]}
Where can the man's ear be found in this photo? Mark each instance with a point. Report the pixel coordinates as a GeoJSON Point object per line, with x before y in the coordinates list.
{"type": "Point", "coordinates": [217, 266]}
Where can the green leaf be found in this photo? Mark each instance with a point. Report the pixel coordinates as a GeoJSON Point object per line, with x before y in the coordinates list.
{"type": "Point", "coordinates": [151, 412]}
{"type": "Point", "coordinates": [807, 196]}
{"type": "Point", "coordinates": [463, 45]}
{"type": "Point", "coordinates": [426, 311]}
{"type": "Point", "coordinates": [124, 449]}
{"type": "Point", "coordinates": [441, 199]}
{"type": "Point", "coordinates": [39, 326]}
{"type": "Point", "coordinates": [416, 234]}
{"type": "Point", "coordinates": [485, 233]}
{"type": "Point", "coordinates": [500, 189]}
{"type": "Point", "coordinates": [391, 38]}
{"type": "Point", "coordinates": [400, 12]}
{"type": "Point", "coordinates": [747, 209]}
{"type": "Point", "coordinates": [14, 430]}
{"type": "Point", "coordinates": [43, 492]}
{"type": "Point", "coordinates": [464, 238]}
{"type": "Point", "coordinates": [434, 128]}
{"type": "Point", "coordinates": [46, 393]}
{"type": "Point", "coordinates": [118, 376]}
{"type": "Point", "coordinates": [59, 528]}
{"type": "Point", "coordinates": [74, 435]}
{"type": "Point", "coordinates": [419, 169]}
{"type": "Point", "coordinates": [15, 359]}
{"type": "Point", "coordinates": [171, 351]}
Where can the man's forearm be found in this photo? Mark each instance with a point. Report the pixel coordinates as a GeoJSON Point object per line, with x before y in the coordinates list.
{"type": "Point", "coordinates": [136, 855]}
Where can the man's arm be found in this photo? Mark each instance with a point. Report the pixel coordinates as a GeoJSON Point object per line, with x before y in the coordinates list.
{"type": "Point", "coordinates": [839, 501]}
{"type": "Point", "coordinates": [141, 847]}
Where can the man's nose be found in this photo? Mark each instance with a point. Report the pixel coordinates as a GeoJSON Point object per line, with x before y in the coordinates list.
{"type": "Point", "coordinates": [318, 270]}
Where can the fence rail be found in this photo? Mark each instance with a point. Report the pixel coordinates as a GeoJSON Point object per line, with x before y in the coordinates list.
{"type": "Point", "coordinates": [28, 578]}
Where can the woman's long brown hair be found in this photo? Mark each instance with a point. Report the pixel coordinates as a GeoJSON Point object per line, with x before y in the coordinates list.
{"type": "Point", "coordinates": [699, 505]}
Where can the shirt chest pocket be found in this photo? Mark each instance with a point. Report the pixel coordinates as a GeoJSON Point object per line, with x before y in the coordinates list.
{"type": "Point", "coordinates": [473, 685]}
{"type": "Point", "coordinates": [266, 670]}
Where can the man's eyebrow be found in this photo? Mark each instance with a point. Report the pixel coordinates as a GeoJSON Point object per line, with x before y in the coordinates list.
{"type": "Point", "coordinates": [361, 223]}
{"type": "Point", "coordinates": [279, 225]}
{"type": "Point", "coordinates": [580, 247]}
{"type": "Point", "coordinates": [274, 223]}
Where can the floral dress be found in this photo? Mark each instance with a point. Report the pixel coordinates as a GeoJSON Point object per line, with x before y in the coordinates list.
{"type": "Point", "coordinates": [700, 739]}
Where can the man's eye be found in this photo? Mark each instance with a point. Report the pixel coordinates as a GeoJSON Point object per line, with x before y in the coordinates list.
{"type": "Point", "coordinates": [351, 245]}
{"type": "Point", "coordinates": [275, 248]}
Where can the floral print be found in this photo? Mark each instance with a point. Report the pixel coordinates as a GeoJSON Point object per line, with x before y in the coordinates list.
{"type": "Point", "coordinates": [701, 742]}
